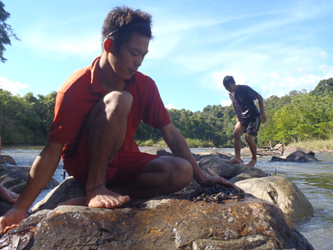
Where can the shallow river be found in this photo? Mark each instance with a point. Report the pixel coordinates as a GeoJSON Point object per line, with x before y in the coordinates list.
{"type": "Point", "coordinates": [315, 180]}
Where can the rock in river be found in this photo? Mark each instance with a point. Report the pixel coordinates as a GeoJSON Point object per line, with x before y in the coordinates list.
{"type": "Point", "coordinates": [282, 192]}
{"type": "Point", "coordinates": [171, 223]}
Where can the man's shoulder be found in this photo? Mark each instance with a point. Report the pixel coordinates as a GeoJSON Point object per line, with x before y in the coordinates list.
{"type": "Point", "coordinates": [78, 77]}
{"type": "Point", "coordinates": [243, 87]}
{"type": "Point", "coordinates": [140, 77]}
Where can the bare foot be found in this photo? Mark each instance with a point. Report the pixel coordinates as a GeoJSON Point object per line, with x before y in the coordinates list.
{"type": "Point", "coordinates": [101, 198]}
{"type": "Point", "coordinates": [252, 163]}
{"type": "Point", "coordinates": [235, 160]}
{"type": "Point", "coordinates": [8, 195]}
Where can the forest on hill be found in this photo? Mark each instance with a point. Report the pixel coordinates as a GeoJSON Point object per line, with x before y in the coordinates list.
{"type": "Point", "coordinates": [294, 117]}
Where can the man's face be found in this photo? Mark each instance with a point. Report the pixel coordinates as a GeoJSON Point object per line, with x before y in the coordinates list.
{"type": "Point", "coordinates": [231, 87]}
{"type": "Point", "coordinates": [129, 58]}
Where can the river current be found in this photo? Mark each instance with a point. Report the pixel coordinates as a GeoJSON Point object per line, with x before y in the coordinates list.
{"type": "Point", "coordinates": [315, 180]}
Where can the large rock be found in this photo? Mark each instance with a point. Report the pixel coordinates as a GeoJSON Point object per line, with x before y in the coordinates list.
{"type": "Point", "coordinates": [162, 224]}
{"type": "Point", "coordinates": [300, 156]}
{"type": "Point", "coordinates": [291, 149]}
{"type": "Point", "coordinates": [14, 178]}
{"type": "Point", "coordinates": [228, 170]}
{"type": "Point", "coordinates": [212, 153]}
{"type": "Point", "coordinates": [68, 189]}
{"type": "Point", "coordinates": [282, 192]}
{"type": "Point", "coordinates": [297, 156]}
{"type": "Point", "coordinates": [6, 159]}
{"type": "Point", "coordinates": [157, 151]}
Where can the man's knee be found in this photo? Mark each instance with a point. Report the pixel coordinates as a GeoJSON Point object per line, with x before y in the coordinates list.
{"type": "Point", "coordinates": [183, 171]}
{"type": "Point", "coordinates": [237, 134]}
{"type": "Point", "coordinates": [186, 168]}
{"type": "Point", "coordinates": [248, 138]}
{"type": "Point", "coordinates": [119, 102]}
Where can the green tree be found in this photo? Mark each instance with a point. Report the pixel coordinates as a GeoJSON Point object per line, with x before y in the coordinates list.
{"type": "Point", "coordinates": [6, 32]}
{"type": "Point", "coordinates": [324, 87]}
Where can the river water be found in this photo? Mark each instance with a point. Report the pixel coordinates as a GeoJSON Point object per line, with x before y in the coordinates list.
{"type": "Point", "coordinates": [315, 180]}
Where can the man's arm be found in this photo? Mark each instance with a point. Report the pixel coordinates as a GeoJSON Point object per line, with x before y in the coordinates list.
{"type": "Point", "coordinates": [41, 173]}
{"type": "Point", "coordinates": [262, 116]}
{"type": "Point", "coordinates": [180, 148]}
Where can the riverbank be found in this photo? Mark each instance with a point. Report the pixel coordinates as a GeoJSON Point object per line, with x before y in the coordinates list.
{"type": "Point", "coordinates": [193, 143]}
{"type": "Point", "coordinates": [315, 145]}
{"type": "Point", "coordinates": [318, 146]}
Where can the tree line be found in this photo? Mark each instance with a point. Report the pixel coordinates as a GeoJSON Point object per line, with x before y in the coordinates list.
{"type": "Point", "coordinates": [293, 117]}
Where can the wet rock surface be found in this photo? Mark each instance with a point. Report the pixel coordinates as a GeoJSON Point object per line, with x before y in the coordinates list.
{"type": "Point", "coordinates": [173, 223]}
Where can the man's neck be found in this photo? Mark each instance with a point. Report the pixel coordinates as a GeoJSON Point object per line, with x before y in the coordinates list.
{"type": "Point", "coordinates": [109, 80]}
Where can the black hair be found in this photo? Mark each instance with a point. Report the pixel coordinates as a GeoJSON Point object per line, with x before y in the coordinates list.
{"type": "Point", "coordinates": [228, 80]}
{"type": "Point", "coordinates": [122, 22]}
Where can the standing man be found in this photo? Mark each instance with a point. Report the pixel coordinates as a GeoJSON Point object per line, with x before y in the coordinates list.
{"type": "Point", "coordinates": [247, 115]}
{"type": "Point", "coordinates": [97, 111]}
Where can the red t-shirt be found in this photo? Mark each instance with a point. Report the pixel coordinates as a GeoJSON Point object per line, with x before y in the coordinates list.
{"type": "Point", "coordinates": [82, 91]}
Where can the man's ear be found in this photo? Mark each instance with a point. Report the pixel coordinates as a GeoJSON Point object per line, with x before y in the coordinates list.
{"type": "Point", "coordinates": [108, 45]}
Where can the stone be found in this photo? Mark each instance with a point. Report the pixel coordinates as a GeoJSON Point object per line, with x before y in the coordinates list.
{"type": "Point", "coordinates": [229, 170]}
{"type": "Point", "coordinates": [300, 156]}
{"type": "Point", "coordinates": [277, 158]}
{"type": "Point", "coordinates": [245, 152]}
{"type": "Point", "coordinates": [172, 223]}
{"type": "Point", "coordinates": [69, 189]}
{"type": "Point", "coordinates": [14, 178]}
{"type": "Point", "coordinates": [291, 149]}
{"type": "Point", "coordinates": [157, 151]}
{"type": "Point", "coordinates": [240, 177]}
{"type": "Point", "coordinates": [212, 153]}
{"type": "Point", "coordinates": [7, 159]}
{"type": "Point", "coordinates": [282, 192]}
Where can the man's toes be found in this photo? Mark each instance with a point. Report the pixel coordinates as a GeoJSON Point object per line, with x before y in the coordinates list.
{"type": "Point", "coordinates": [124, 199]}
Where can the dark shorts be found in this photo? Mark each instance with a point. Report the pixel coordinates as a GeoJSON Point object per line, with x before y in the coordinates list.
{"type": "Point", "coordinates": [121, 170]}
{"type": "Point", "coordinates": [252, 127]}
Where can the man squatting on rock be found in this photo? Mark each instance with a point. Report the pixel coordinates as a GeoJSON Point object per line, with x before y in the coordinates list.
{"type": "Point", "coordinates": [247, 115]}
{"type": "Point", "coordinates": [97, 111]}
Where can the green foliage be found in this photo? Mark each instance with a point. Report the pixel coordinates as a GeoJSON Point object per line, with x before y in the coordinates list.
{"type": "Point", "coordinates": [299, 116]}
{"type": "Point", "coordinates": [324, 87]}
{"type": "Point", "coordinates": [5, 31]}
{"type": "Point", "coordinates": [25, 119]}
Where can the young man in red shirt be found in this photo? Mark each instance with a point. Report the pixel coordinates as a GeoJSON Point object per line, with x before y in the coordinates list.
{"type": "Point", "coordinates": [98, 110]}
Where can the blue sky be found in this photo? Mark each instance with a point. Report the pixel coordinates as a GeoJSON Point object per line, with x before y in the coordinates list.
{"type": "Point", "coordinates": [272, 46]}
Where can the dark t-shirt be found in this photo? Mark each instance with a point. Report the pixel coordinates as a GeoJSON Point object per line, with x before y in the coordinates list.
{"type": "Point", "coordinates": [243, 101]}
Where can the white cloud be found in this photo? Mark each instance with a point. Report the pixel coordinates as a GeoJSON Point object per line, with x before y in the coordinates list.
{"type": "Point", "coordinates": [170, 106]}
{"type": "Point", "coordinates": [58, 42]}
{"type": "Point", "coordinates": [225, 102]}
{"type": "Point", "coordinates": [13, 87]}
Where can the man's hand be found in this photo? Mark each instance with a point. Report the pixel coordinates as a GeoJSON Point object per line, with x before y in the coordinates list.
{"type": "Point", "coordinates": [262, 117]}
{"type": "Point", "coordinates": [11, 219]}
{"type": "Point", "coordinates": [212, 181]}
